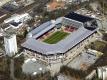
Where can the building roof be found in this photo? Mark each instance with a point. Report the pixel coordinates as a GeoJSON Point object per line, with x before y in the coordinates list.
{"type": "Point", "coordinates": [15, 23]}
{"type": "Point", "coordinates": [62, 46]}
{"type": "Point", "coordinates": [17, 18]}
{"type": "Point", "coordinates": [40, 28]}
{"type": "Point", "coordinates": [78, 17]}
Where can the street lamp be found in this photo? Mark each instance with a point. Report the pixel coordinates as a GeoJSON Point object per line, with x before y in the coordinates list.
{"type": "Point", "coordinates": [40, 71]}
{"type": "Point", "coordinates": [34, 73]}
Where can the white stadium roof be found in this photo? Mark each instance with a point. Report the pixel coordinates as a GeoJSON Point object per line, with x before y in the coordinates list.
{"type": "Point", "coordinates": [62, 46]}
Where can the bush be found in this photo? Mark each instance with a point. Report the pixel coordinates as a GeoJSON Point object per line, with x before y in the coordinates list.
{"type": "Point", "coordinates": [18, 62]}
{"type": "Point", "coordinates": [72, 72]}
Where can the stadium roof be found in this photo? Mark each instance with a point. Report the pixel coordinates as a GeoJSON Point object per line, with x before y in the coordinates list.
{"type": "Point", "coordinates": [40, 28]}
{"type": "Point", "coordinates": [78, 17]}
{"type": "Point", "coordinates": [62, 46]}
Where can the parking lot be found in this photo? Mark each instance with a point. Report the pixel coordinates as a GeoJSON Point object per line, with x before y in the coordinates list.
{"type": "Point", "coordinates": [33, 66]}
{"type": "Point", "coordinates": [83, 61]}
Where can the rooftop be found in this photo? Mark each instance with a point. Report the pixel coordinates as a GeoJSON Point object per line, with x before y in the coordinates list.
{"type": "Point", "coordinates": [78, 17]}
{"type": "Point", "coordinates": [62, 46]}
{"type": "Point", "coordinates": [15, 23]}
{"type": "Point", "coordinates": [10, 31]}
{"type": "Point", "coordinates": [33, 66]}
{"type": "Point", "coordinates": [84, 60]}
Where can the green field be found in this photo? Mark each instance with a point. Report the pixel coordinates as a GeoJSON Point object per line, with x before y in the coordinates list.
{"type": "Point", "coordinates": [56, 37]}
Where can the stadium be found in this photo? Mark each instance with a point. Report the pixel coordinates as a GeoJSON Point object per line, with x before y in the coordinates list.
{"type": "Point", "coordinates": [61, 39]}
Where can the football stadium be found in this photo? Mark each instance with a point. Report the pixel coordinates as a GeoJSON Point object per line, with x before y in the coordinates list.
{"type": "Point", "coordinates": [61, 39]}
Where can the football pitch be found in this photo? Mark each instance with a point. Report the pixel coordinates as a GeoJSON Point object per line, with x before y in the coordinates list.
{"type": "Point", "coordinates": [56, 37]}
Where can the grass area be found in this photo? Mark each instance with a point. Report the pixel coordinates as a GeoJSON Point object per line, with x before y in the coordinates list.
{"type": "Point", "coordinates": [4, 68]}
{"type": "Point", "coordinates": [105, 36]}
{"type": "Point", "coordinates": [18, 62]}
{"type": "Point", "coordinates": [56, 37]}
{"type": "Point", "coordinates": [99, 46]}
{"type": "Point", "coordinates": [73, 74]}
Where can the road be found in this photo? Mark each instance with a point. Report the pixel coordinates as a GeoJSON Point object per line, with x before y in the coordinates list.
{"type": "Point", "coordinates": [12, 70]}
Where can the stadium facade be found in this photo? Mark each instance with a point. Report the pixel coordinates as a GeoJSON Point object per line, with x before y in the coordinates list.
{"type": "Point", "coordinates": [82, 30]}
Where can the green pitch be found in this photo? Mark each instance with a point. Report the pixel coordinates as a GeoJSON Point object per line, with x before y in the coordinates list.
{"type": "Point", "coordinates": [56, 37]}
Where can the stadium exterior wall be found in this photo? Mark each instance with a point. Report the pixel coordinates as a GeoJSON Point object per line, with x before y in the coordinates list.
{"type": "Point", "coordinates": [61, 57]}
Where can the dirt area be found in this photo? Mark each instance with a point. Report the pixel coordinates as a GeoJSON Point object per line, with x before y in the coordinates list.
{"type": "Point", "coordinates": [55, 5]}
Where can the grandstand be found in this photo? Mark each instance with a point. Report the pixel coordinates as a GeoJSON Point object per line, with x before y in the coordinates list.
{"type": "Point", "coordinates": [59, 32]}
{"type": "Point", "coordinates": [59, 40]}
